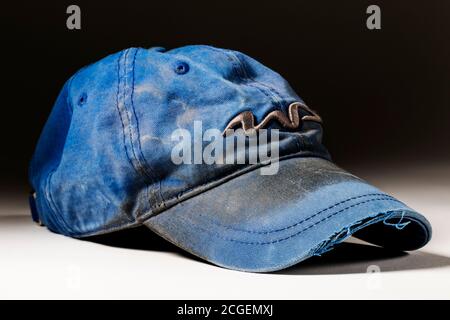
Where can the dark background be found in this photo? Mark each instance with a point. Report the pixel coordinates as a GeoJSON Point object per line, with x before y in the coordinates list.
{"type": "Point", "coordinates": [383, 94]}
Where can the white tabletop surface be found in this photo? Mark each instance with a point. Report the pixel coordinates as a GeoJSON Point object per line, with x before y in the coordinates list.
{"type": "Point", "coordinates": [35, 263]}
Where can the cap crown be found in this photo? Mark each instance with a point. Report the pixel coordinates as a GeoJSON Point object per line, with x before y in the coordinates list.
{"type": "Point", "coordinates": [103, 161]}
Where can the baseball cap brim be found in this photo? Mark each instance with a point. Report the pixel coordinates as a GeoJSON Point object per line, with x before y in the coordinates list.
{"type": "Point", "coordinates": [263, 223]}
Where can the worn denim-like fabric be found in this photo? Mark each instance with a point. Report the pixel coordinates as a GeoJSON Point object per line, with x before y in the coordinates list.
{"type": "Point", "coordinates": [103, 163]}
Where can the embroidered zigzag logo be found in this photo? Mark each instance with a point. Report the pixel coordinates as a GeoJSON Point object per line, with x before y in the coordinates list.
{"type": "Point", "coordinates": [246, 119]}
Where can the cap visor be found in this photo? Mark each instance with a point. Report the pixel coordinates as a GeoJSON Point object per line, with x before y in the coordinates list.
{"type": "Point", "coordinates": [263, 223]}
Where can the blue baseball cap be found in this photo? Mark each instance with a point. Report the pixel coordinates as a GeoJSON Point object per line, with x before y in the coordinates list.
{"type": "Point", "coordinates": [104, 162]}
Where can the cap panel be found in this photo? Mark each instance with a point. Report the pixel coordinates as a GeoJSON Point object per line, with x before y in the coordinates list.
{"type": "Point", "coordinates": [97, 186]}
{"type": "Point", "coordinates": [266, 79]}
{"type": "Point", "coordinates": [212, 91]}
{"type": "Point", "coordinates": [47, 156]}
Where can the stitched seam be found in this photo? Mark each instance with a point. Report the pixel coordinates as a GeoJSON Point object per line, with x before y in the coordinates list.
{"type": "Point", "coordinates": [121, 93]}
{"type": "Point", "coordinates": [294, 234]}
{"type": "Point", "coordinates": [68, 102]}
{"type": "Point", "coordinates": [120, 113]}
{"type": "Point", "coordinates": [139, 147]}
{"type": "Point", "coordinates": [237, 62]}
{"type": "Point", "coordinates": [243, 75]}
{"type": "Point", "coordinates": [137, 124]}
{"type": "Point", "coordinates": [130, 131]}
{"type": "Point", "coordinates": [301, 221]}
{"type": "Point", "coordinates": [276, 96]}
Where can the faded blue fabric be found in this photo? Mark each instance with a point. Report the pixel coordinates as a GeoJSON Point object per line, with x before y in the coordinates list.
{"type": "Point", "coordinates": [103, 163]}
{"type": "Point", "coordinates": [307, 208]}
